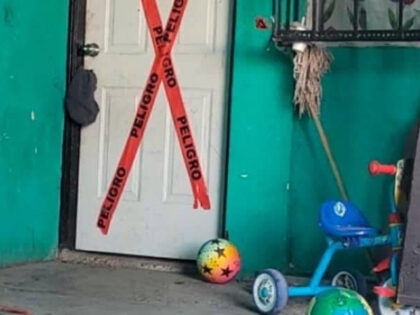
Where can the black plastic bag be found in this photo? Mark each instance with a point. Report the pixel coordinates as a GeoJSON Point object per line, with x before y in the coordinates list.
{"type": "Point", "coordinates": [80, 100]}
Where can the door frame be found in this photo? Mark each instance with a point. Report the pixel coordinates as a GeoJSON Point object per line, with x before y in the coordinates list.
{"type": "Point", "coordinates": [72, 131]}
{"type": "Point", "coordinates": [71, 138]}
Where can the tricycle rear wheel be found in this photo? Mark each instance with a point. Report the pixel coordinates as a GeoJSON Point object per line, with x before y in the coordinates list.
{"type": "Point", "coordinates": [352, 280]}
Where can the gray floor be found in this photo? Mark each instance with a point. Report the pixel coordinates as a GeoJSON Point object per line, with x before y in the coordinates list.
{"type": "Point", "coordinates": [63, 288]}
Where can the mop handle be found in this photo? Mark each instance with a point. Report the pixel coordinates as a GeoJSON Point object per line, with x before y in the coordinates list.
{"type": "Point", "coordinates": [376, 168]}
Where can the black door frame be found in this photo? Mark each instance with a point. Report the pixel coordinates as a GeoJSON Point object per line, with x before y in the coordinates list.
{"type": "Point", "coordinates": [72, 131]}
{"type": "Point", "coordinates": [71, 141]}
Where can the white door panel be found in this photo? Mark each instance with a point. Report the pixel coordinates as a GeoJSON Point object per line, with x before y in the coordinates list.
{"type": "Point", "coordinates": [155, 215]}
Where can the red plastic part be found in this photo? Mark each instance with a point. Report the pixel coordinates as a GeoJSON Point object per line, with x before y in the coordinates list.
{"type": "Point", "coordinates": [384, 291]}
{"type": "Point", "coordinates": [394, 218]}
{"type": "Point", "coordinates": [383, 265]}
{"type": "Point", "coordinates": [376, 168]}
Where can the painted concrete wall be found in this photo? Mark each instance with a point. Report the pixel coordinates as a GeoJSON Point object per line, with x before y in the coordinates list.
{"type": "Point", "coordinates": [260, 140]}
{"type": "Point", "coordinates": [32, 84]}
{"type": "Point", "coordinates": [371, 99]}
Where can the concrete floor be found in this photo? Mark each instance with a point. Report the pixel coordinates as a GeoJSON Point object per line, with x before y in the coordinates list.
{"type": "Point", "coordinates": [64, 288]}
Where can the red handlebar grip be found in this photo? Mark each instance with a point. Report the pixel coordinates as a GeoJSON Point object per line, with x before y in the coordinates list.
{"type": "Point", "coordinates": [376, 168]}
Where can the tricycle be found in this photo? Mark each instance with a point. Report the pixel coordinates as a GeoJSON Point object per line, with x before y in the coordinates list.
{"type": "Point", "coordinates": [345, 227]}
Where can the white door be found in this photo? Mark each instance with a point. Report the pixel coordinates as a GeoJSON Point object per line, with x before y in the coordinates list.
{"type": "Point", "coordinates": [155, 215]}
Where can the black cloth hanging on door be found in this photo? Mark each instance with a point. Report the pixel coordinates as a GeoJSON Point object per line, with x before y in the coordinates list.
{"type": "Point", "coordinates": [80, 99]}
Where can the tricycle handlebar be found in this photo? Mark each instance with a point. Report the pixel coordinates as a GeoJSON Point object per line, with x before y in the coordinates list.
{"type": "Point", "coordinates": [376, 168]}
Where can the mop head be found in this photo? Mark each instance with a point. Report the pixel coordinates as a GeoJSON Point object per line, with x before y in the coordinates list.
{"type": "Point", "coordinates": [309, 67]}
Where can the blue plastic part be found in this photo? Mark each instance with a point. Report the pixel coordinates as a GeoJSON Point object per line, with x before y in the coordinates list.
{"type": "Point", "coordinates": [264, 293]}
{"type": "Point", "coordinates": [314, 287]}
{"type": "Point", "coordinates": [345, 227]}
{"type": "Point", "coordinates": [344, 219]}
{"type": "Point", "coordinates": [392, 202]}
{"type": "Point", "coordinates": [379, 240]}
{"type": "Point", "coordinates": [394, 270]}
{"type": "Point", "coordinates": [323, 264]}
{"type": "Point", "coordinates": [307, 291]}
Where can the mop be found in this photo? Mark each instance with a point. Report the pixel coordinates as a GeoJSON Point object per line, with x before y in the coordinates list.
{"type": "Point", "coordinates": [310, 64]}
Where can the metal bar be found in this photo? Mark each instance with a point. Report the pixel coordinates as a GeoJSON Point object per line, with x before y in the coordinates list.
{"type": "Point", "coordinates": [274, 8]}
{"type": "Point", "coordinates": [288, 13]}
{"type": "Point", "coordinates": [314, 16]}
{"type": "Point", "coordinates": [356, 16]}
{"type": "Point", "coordinates": [296, 15]}
{"type": "Point", "coordinates": [321, 15]}
{"type": "Point", "coordinates": [346, 36]}
{"type": "Point", "coordinates": [400, 15]}
{"type": "Point", "coordinates": [274, 15]}
{"type": "Point", "coordinates": [278, 17]}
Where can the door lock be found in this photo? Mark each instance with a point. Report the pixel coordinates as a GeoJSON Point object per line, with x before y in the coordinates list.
{"type": "Point", "coordinates": [91, 50]}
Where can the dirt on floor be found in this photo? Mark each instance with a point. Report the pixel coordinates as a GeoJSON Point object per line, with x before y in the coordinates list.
{"type": "Point", "coordinates": [66, 288]}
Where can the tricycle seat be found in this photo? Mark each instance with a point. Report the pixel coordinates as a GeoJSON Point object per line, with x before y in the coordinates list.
{"type": "Point", "coordinates": [344, 219]}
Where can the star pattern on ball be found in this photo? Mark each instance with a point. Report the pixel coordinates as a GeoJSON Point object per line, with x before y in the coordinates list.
{"type": "Point", "coordinates": [226, 272]}
{"type": "Point", "coordinates": [220, 252]}
{"type": "Point", "coordinates": [207, 269]}
{"type": "Point", "coordinates": [217, 242]}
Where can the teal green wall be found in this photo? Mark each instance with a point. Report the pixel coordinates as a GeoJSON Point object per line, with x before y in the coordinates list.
{"type": "Point", "coordinates": [32, 84]}
{"type": "Point", "coordinates": [371, 99]}
{"type": "Point", "coordinates": [260, 140]}
{"type": "Point", "coordinates": [277, 175]}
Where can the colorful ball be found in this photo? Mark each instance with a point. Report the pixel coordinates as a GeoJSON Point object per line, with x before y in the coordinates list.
{"type": "Point", "coordinates": [218, 261]}
{"type": "Point", "coordinates": [339, 301]}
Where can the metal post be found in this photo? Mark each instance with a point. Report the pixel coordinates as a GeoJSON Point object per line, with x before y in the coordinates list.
{"type": "Point", "coordinates": [314, 16]}
{"type": "Point", "coordinates": [274, 15]}
{"type": "Point", "coordinates": [278, 17]}
{"type": "Point", "coordinates": [296, 16]}
{"type": "Point", "coordinates": [400, 15]}
{"type": "Point", "coordinates": [321, 15]}
{"type": "Point", "coordinates": [288, 13]}
{"type": "Point", "coordinates": [356, 16]}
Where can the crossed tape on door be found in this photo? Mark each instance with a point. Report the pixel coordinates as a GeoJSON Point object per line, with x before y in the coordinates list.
{"type": "Point", "coordinates": [162, 70]}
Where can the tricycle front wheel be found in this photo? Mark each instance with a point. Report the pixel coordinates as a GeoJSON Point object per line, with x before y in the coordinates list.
{"type": "Point", "coordinates": [270, 291]}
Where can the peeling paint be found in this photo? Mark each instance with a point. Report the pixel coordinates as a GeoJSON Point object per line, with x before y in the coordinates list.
{"type": "Point", "coordinates": [36, 150]}
{"type": "Point", "coordinates": [244, 175]}
{"type": "Point", "coordinates": [33, 115]}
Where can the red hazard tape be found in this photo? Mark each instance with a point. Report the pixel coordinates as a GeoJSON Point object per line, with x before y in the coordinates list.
{"type": "Point", "coordinates": [13, 310]}
{"type": "Point", "coordinates": [162, 70]}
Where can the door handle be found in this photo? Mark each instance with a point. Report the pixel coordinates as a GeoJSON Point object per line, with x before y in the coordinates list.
{"type": "Point", "coordinates": [91, 50]}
